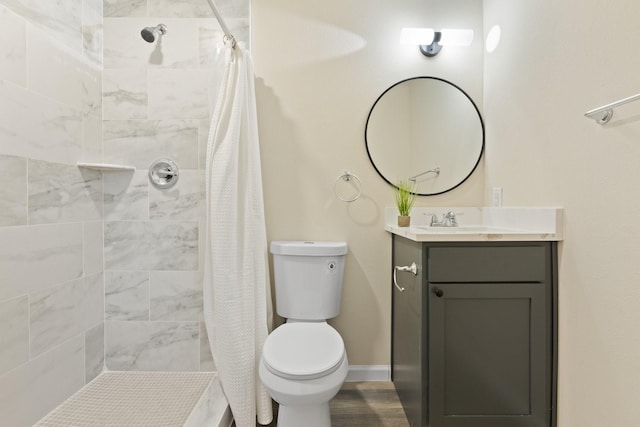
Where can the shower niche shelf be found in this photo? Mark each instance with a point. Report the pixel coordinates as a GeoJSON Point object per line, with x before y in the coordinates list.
{"type": "Point", "coordinates": [105, 167]}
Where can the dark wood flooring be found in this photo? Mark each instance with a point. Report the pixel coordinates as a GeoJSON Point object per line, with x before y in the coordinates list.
{"type": "Point", "coordinates": [370, 404]}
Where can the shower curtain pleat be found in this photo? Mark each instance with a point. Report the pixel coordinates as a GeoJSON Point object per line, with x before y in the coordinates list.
{"type": "Point", "coordinates": [237, 299]}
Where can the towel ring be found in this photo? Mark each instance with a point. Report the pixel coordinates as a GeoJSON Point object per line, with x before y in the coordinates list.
{"type": "Point", "coordinates": [347, 176]}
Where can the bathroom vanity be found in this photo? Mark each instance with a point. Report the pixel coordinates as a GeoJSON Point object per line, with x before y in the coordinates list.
{"type": "Point", "coordinates": [474, 333]}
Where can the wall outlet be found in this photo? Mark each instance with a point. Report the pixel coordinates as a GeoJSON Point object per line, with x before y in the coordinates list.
{"type": "Point", "coordinates": [496, 197]}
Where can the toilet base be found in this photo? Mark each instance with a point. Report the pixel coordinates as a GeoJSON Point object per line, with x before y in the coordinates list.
{"type": "Point", "coordinates": [308, 416]}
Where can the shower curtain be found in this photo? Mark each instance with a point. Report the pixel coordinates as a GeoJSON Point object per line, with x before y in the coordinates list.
{"type": "Point", "coordinates": [237, 299]}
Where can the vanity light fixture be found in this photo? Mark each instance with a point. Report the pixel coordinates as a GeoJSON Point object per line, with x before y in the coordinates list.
{"type": "Point", "coordinates": [431, 41]}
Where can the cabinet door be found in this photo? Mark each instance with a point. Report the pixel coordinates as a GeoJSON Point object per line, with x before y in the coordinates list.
{"type": "Point", "coordinates": [407, 337]}
{"type": "Point", "coordinates": [488, 353]}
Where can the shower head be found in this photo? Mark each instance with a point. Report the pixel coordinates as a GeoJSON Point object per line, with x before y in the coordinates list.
{"type": "Point", "coordinates": [149, 34]}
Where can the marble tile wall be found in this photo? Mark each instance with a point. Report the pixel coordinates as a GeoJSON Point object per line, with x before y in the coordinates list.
{"type": "Point", "coordinates": [77, 83]}
{"type": "Point", "coordinates": [156, 103]}
{"type": "Point", "coordinates": [51, 212]}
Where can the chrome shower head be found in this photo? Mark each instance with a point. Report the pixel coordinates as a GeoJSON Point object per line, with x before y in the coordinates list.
{"type": "Point", "coordinates": [149, 34]}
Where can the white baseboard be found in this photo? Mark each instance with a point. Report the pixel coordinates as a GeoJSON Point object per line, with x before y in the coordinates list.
{"type": "Point", "coordinates": [369, 373]}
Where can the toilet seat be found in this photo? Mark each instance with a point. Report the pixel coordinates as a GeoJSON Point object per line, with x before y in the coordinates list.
{"type": "Point", "coordinates": [303, 350]}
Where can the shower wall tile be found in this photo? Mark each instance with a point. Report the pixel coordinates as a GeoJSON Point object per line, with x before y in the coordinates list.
{"type": "Point", "coordinates": [178, 94]}
{"type": "Point", "coordinates": [206, 359]}
{"type": "Point", "coordinates": [36, 257]}
{"type": "Point", "coordinates": [93, 238]}
{"type": "Point", "coordinates": [13, 194]}
{"type": "Point", "coordinates": [152, 346]}
{"type": "Point", "coordinates": [180, 8]}
{"type": "Point", "coordinates": [157, 245]}
{"type": "Point", "coordinates": [126, 196]}
{"type": "Point", "coordinates": [124, 93]}
{"type": "Point", "coordinates": [125, 8]}
{"type": "Point", "coordinates": [230, 9]}
{"type": "Point", "coordinates": [181, 202]}
{"type": "Point", "coordinates": [140, 142]}
{"type": "Point", "coordinates": [126, 295]}
{"type": "Point", "coordinates": [91, 139]}
{"type": "Point", "coordinates": [34, 126]}
{"type": "Point", "coordinates": [157, 101]}
{"type": "Point", "coordinates": [212, 407]}
{"type": "Point", "coordinates": [62, 312]}
{"type": "Point", "coordinates": [63, 76]}
{"type": "Point", "coordinates": [50, 212]}
{"type": "Point", "coordinates": [125, 48]}
{"type": "Point", "coordinates": [13, 61]}
{"type": "Point", "coordinates": [63, 193]}
{"type": "Point", "coordinates": [61, 19]}
{"type": "Point", "coordinates": [30, 391]}
{"type": "Point", "coordinates": [94, 352]}
{"type": "Point", "coordinates": [176, 295]}
{"type": "Point", "coordinates": [212, 39]}
{"type": "Point", "coordinates": [92, 30]}
{"type": "Point", "coordinates": [14, 333]}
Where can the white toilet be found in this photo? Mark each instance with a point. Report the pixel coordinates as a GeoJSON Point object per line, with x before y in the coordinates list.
{"type": "Point", "coordinates": [304, 363]}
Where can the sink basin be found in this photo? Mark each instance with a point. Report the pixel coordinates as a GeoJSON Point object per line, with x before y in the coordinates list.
{"type": "Point", "coordinates": [466, 229]}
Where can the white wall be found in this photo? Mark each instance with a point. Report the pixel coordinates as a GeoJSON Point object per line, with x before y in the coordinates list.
{"type": "Point", "coordinates": [557, 60]}
{"type": "Point", "coordinates": [320, 66]}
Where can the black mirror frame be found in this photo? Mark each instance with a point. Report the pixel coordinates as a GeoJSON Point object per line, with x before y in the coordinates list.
{"type": "Point", "coordinates": [444, 81]}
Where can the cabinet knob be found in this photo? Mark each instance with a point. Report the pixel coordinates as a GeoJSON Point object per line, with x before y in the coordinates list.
{"type": "Point", "coordinates": [438, 292]}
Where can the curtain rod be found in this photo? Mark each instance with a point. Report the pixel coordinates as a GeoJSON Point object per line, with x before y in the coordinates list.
{"type": "Point", "coordinates": [223, 24]}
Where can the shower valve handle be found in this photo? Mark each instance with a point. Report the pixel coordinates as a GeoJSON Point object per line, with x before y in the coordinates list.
{"type": "Point", "coordinates": [166, 173]}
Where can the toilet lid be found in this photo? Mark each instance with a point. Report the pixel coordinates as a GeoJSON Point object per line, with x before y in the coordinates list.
{"type": "Point", "coordinates": [303, 350]}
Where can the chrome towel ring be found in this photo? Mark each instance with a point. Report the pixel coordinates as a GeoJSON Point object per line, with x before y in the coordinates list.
{"type": "Point", "coordinates": [348, 177]}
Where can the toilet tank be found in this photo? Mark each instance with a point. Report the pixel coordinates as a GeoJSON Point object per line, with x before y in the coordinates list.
{"type": "Point", "coordinates": [308, 278]}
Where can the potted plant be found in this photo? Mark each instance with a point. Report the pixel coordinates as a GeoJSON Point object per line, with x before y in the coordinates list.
{"type": "Point", "coordinates": [405, 197]}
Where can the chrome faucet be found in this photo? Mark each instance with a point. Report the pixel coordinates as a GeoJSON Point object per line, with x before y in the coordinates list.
{"type": "Point", "coordinates": [448, 220]}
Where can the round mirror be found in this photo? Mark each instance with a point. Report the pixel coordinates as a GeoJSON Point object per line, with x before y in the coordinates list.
{"type": "Point", "coordinates": [427, 130]}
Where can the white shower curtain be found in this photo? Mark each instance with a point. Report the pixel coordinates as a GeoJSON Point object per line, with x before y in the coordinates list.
{"type": "Point", "coordinates": [237, 299]}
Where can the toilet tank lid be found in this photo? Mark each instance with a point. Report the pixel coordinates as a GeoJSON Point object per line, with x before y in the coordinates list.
{"type": "Point", "coordinates": [308, 248]}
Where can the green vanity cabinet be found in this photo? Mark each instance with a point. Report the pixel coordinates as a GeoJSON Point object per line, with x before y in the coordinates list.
{"type": "Point", "coordinates": [474, 333]}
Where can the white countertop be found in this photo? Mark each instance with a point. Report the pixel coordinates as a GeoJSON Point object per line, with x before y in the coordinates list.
{"type": "Point", "coordinates": [481, 224]}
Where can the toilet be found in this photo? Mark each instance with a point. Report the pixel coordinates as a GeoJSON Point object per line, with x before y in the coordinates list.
{"type": "Point", "coordinates": [304, 362]}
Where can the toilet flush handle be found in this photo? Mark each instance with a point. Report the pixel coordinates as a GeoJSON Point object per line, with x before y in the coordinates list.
{"type": "Point", "coordinates": [412, 268]}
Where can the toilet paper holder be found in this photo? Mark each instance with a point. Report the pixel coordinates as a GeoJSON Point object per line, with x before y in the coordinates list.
{"type": "Point", "coordinates": [413, 268]}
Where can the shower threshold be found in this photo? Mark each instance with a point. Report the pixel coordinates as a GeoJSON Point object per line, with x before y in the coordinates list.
{"type": "Point", "coordinates": [158, 399]}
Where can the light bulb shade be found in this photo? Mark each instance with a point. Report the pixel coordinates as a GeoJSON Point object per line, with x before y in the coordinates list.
{"type": "Point", "coordinates": [417, 36]}
{"type": "Point", "coordinates": [455, 37]}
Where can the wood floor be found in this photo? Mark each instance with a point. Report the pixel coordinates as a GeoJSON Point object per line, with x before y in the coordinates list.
{"type": "Point", "coordinates": [370, 404]}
